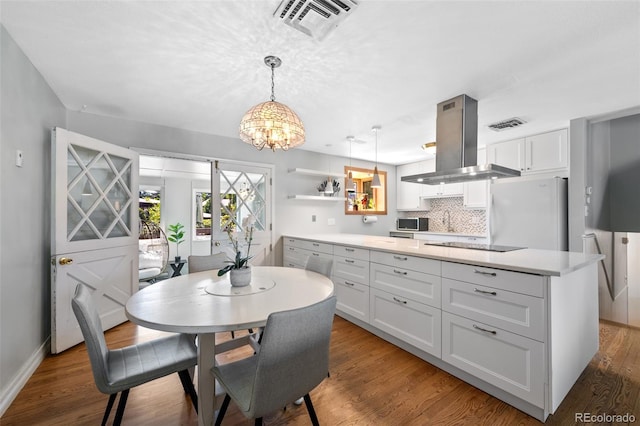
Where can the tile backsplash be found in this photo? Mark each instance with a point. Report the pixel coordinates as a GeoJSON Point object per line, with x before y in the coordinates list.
{"type": "Point", "coordinates": [462, 220]}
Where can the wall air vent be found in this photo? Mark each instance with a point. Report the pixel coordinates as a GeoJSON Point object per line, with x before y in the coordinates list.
{"type": "Point", "coordinates": [507, 124]}
{"type": "Point", "coordinates": [315, 18]}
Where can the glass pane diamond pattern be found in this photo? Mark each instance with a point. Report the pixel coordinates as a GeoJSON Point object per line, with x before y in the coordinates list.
{"type": "Point", "coordinates": [99, 196]}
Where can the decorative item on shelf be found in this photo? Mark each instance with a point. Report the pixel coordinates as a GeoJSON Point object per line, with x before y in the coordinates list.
{"type": "Point", "coordinates": [329, 187]}
{"type": "Point", "coordinates": [271, 123]}
{"type": "Point", "coordinates": [375, 183]}
{"type": "Point", "coordinates": [239, 268]}
{"type": "Point", "coordinates": [176, 235]}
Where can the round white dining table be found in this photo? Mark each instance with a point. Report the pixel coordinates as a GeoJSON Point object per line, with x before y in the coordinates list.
{"type": "Point", "coordinates": [204, 304]}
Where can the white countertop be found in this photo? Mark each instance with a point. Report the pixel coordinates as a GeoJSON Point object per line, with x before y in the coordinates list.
{"type": "Point", "coordinates": [541, 262]}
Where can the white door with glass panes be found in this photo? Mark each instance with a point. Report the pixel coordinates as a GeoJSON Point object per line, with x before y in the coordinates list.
{"type": "Point", "coordinates": [242, 194]}
{"type": "Point", "coordinates": [94, 228]}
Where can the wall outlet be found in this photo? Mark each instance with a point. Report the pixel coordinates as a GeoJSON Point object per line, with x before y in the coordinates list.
{"type": "Point", "coordinates": [331, 221]}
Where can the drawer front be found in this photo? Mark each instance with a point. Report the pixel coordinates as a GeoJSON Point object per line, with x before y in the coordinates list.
{"type": "Point", "coordinates": [428, 266]}
{"type": "Point", "coordinates": [317, 247]}
{"type": "Point", "coordinates": [294, 257]}
{"type": "Point", "coordinates": [353, 298]}
{"type": "Point", "coordinates": [519, 313]}
{"type": "Point", "coordinates": [293, 242]}
{"type": "Point", "coordinates": [417, 286]}
{"type": "Point", "coordinates": [518, 282]}
{"type": "Point", "coordinates": [509, 361]}
{"type": "Point", "coordinates": [351, 252]}
{"type": "Point", "coordinates": [412, 322]}
{"type": "Point", "coordinates": [298, 257]}
{"type": "Point", "coordinates": [354, 270]}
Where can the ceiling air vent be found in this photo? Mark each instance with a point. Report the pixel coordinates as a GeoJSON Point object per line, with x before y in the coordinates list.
{"type": "Point", "coordinates": [315, 18]}
{"type": "Point", "coordinates": [506, 124]}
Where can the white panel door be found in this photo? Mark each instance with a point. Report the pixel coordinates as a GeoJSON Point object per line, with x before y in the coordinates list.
{"type": "Point", "coordinates": [94, 230]}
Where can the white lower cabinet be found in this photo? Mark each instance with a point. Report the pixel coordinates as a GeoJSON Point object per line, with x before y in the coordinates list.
{"type": "Point", "coordinates": [417, 286]}
{"type": "Point", "coordinates": [353, 298]}
{"type": "Point", "coordinates": [413, 322]}
{"type": "Point", "coordinates": [506, 360]}
{"type": "Point", "coordinates": [351, 280]}
{"type": "Point", "coordinates": [519, 313]}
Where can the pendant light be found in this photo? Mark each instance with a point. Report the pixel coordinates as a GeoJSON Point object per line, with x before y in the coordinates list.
{"type": "Point", "coordinates": [271, 123]}
{"type": "Point", "coordinates": [350, 183]}
{"type": "Point", "coordinates": [375, 183]}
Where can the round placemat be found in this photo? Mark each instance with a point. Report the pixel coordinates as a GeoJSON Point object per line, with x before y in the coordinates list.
{"type": "Point", "coordinates": [224, 288]}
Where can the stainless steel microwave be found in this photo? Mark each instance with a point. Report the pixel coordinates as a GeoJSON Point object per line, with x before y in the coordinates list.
{"type": "Point", "coordinates": [413, 224]}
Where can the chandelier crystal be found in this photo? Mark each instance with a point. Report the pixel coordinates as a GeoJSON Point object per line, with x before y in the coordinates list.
{"type": "Point", "coordinates": [272, 124]}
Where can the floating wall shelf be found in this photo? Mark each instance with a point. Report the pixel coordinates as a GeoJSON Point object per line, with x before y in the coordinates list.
{"type": "Point", "coordinates": [310, 172]}
{"type": "Point", "coordinates": [316, 197]}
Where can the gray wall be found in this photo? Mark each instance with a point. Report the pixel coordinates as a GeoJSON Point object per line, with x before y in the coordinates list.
{"type": "Point", "coordinates": [29, 110]}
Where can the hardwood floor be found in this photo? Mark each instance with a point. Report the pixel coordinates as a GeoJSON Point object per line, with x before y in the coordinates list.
{"type": "Point", "coordinates": [372, 383]}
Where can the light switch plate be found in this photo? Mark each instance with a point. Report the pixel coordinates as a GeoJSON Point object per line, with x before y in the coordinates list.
{"type": "Point", "coordinates": [19, 158]}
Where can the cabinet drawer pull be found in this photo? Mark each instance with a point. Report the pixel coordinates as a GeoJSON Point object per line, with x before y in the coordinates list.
{"type": "Point", "coordinates": [291, 265]}
{"type": "Point", "coordinates": [291, 248]}
{"type": "Point", "coordinates": [401, 257]}
{"type": "Point", "coordinates": [492, 293]}
{"type": "Point", "coordinates": [349, 249]}
{"type": "Point", "coordinates": [484, 329]}
{"type": "Point", "coordinates": [315, 254]}
{"type": "Point", "coordinates": [350, 284]}
{"type": "Point", "coordinates": [316, 244]}
{"type": "Point", "coordinates": [399, 300]}
{"type": "Point", "coordinates": [492, 274]}
{"type": "Point", "coordinates": [400, 272]}
{"type": "Point", "coordinates": [349, 261]}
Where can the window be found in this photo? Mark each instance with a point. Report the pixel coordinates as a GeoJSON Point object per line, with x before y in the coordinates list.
{"type": "Point", "coordinates": [362, 199]}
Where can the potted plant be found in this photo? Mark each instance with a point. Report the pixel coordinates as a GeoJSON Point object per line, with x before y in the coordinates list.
{"type": "Point", "coordinates": [239, 268]}
{"type": "Point", "coordinates": [176, 235]}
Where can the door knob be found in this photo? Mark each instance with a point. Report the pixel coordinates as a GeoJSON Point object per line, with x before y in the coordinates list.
{"type": "Point", "coordinates": [217, 244]}
{"type": "Point", "coordinates": [65, 261]}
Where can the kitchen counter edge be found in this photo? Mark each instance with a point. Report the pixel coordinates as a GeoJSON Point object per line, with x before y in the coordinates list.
{"type": "Point", "coordinates": [532, 261]}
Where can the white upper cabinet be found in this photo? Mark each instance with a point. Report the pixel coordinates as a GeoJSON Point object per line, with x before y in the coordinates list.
{"type": "Point", "coordinates": [547, 151]}
{"type": "Point", "coordinates": [409, 193]}
{"type": "Point", "coordinates": [533, 154]}
{"type": "Point", "coordinates": [475, 193]}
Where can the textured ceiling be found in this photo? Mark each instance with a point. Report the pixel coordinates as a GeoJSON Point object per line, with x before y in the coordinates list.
{"type": "Point", "coordinates": [198, 65]}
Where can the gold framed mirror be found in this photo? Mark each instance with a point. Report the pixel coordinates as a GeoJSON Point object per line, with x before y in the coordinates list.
{"type": "Point", "coordinates": [362, 198]}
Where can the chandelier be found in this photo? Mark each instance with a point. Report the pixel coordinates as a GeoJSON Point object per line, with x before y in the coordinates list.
{"type": "Point", "coordinates": [271, 123]}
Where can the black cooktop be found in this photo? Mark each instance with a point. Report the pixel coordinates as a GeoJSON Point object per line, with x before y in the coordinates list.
{"type": "Point", "coordinates": [472, 246]}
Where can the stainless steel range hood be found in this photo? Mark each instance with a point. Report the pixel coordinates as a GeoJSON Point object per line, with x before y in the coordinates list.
{"type": "Point", "coordinates": [457, 147]}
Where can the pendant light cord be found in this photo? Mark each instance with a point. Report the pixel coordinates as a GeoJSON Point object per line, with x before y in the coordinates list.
{"type": "Point", "coordinates": [273, 86]}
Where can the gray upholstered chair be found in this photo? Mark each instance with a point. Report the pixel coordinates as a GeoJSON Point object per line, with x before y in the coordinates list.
{"type": "Point", "coordinates": [292, 360]}
{"type": "Point", "coordinates": [319, 265]}
{"type": "Point", "coordinates": [118, 370]}
{"type": "Point", "coordinates": [206, 263]}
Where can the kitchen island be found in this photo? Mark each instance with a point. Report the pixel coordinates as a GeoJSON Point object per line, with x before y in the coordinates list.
{"type": "Point", "coordinates": [520, 325]}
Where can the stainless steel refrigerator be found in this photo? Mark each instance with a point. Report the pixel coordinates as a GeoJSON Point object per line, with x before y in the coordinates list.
{"type": "Point", "coordinates": [529, 213]}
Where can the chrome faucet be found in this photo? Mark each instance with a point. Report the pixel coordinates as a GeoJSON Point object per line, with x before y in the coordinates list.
{"type": "Point", "coordinates": [447, 220]}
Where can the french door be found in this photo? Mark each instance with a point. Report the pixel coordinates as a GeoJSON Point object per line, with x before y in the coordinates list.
{"type": "Point", "coordinates": [95, 229]}
{"type": "Point", "coordinates": [243, 196]}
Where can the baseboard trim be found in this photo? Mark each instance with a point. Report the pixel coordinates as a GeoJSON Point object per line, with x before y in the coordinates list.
{"type": "Point", "coordinates": [10, 392]}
